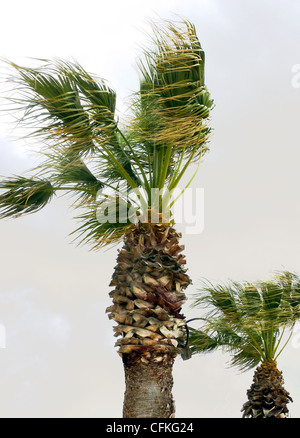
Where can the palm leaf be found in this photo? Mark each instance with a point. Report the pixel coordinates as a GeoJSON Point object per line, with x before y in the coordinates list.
{"type": "Point", "coordinates": [74, 110]}
{"type": "Point", "coordinates": [53, 97]}
{"type": "Point", "coordinates": [173, 101]}
{"type": "Point", "coordinates": [24, 195]}
{"type": "Point", "coordinates": [69, 172]}
{"type": "Point", "coordinates": [201, 341]}
{"type": "Point", "coordinates": [102, 225]}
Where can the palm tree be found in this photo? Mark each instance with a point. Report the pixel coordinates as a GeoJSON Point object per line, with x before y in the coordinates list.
{"type": "Point", "coordinates": [122, 178]}
{"type": "Point", "coordinates": [248, 320]}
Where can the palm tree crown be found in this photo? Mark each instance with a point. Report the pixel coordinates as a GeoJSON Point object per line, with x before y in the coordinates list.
{"type": "Point", "coordinates": [90, 154]}
{"type": "Point", "coordinates": [246, 319]}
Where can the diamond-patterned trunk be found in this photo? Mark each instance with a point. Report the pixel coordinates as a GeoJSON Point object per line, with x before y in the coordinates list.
{"type": "Point", "coordinates": [267, 396]}
{"type": "Point", "coordinates": [148, 281]}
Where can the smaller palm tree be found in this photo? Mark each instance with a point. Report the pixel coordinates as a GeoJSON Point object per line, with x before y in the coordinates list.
{"type": "Point", "coordinates": [249, 320]}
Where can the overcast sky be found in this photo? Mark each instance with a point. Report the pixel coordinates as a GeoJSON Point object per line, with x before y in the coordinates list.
{"type": "Point", "coordinates": [59, 359]}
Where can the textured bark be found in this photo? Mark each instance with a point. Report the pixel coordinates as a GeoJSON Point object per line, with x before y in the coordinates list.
{"type": "Point", "coordinates": [148, 282]}
{"type": "Point", "coordinates": [148, 391]}
{"type": "Point", "coordinates": [267, 397]}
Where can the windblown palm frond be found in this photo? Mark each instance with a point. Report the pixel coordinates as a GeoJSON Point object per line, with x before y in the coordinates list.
{"type": "Point", "coordinates": [24, 195]}
{"type": "Point", "coordinates": [111, 217]}
{"type": "Point", "coordinates": [247, 319]}
{"type": "Point", "coordinates": [173, 101]}
{"type": "Point", "coordinates": [54, 98]}
{"type": "Point", "coordinates": [69, 172]}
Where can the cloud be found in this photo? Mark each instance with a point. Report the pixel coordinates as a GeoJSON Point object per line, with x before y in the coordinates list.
{"type": "Point", "coordinates": [25, 320]}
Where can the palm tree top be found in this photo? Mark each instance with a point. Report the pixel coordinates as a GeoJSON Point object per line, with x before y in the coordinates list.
{"type": "Point", "coordinates": [247, 319]}
{"type": "Point", "coordinates": [88, 152]}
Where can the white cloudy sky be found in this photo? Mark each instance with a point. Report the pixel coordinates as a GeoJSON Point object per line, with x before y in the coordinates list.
{"type": "Point", "coordinates": [59, 360]}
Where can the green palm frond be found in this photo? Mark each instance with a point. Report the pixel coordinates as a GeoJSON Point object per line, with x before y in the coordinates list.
{"type": "Point", "coordinates": [247, 319]}
{"type": "Point", "coordinates": [99, 97]}
{"type": "Point", "coordinates": [74, 111]}
{"type": "Point", "coordinates": [106, 223]}
{"type": "Point", "coordinates": [203, 342]}
{"type": "Point", "coordinates": [170, 111]}
{"type": "Point", "coordinates": [99, 235]}
{"type": "Point", "coordinates": [124, 156]}
{"type": "Point", "coordinates": [24, 195]}
{"type": "Point", "coordinates": [245, 347]}
{"type": "Point", "coordinates": [67, 108]}
{"type": "Point", "coordinates": [247, 356]}
{"type": "Point", "coordinates": [69, 172]}
{"type": "Point", "coordinates": [173, 101]}
{"type": "Point", "coordinates": [290, 284]}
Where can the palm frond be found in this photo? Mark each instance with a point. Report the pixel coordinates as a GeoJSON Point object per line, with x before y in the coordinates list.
{"type": "Point", "coordinates": [201, 342]}
{"type": "Point", "coordinates": [69, 172]}
{"type": "Point", "coordinates": [246, 357]}
{"type": "Point", "coordinates": [100, 98]}
{"type": "Point", "coordinates": [251, 299]}
{"type": "Point", "coordinates": [218, 335]}
{"type": "Point", "coordinates": [99, 235]}
{"type": "Point", "coordinates": [290, 284]}
{"type": "Point", "coordinates": [24, 195]}
{"type": "Point", "coordinates": [75, 111]}
{"type": "Point", "coordinates": [124, 156]}
{"type": "Point", "coordinates": [106, 223]}
{"type": "Point", "coordinates": [67, 103]}
{"type": "Point", "coordinates": [173, 101]}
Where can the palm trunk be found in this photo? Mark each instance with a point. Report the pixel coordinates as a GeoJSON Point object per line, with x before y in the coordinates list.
{"type": "Point", "coordinates": [148, 388]}
{"type": "Point", "coordinates": [147, 299]}
{"type": "Point", "coordinates": [267, 396]}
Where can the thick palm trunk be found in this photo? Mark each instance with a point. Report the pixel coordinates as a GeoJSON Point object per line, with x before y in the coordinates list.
{"type": "Point", "coordinates": [148, 391]}
{"type": "Point", "coordinates": [267, 396]}
{"type": "Point", "coordinates": [147, 299]}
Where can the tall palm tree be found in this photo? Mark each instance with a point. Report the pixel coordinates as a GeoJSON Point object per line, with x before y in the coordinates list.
{"type": "Point", "coordinates": [122, 178]}
{"type": "Point", "coordinates": [248, 320]}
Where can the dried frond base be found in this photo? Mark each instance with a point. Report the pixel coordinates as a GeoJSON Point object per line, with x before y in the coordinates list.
{"type": "Point", "coordinates": [267, 397]}
{"type": "Point", "coordinates": [149, 280]}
